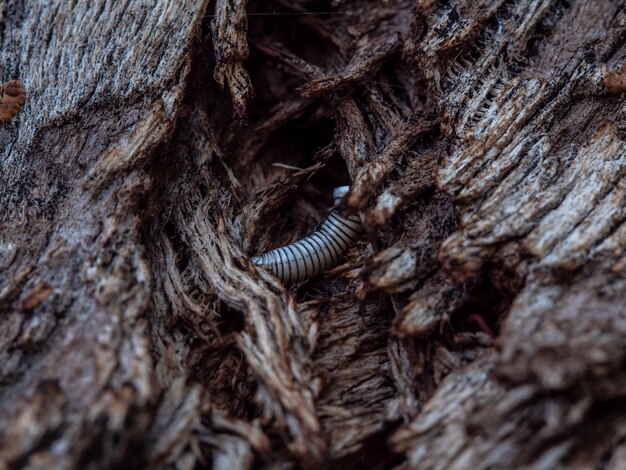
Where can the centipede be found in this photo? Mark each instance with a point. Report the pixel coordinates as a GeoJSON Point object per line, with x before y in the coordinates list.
{"type": "Point", "coordinates": [318, 251]}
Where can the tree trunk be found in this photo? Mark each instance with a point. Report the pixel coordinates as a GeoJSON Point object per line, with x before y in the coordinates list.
{"type": "Point", "coordinates": [480, 323]}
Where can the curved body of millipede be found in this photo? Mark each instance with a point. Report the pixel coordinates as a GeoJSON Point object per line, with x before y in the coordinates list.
{"type": "Point", "coordinates": [316, 252]}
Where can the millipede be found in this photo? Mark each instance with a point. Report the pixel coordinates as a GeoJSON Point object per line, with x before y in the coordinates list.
{"type": "Point", "coordinates": [317, 252]}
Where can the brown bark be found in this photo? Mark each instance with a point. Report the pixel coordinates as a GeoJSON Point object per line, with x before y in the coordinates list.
{"type": "Point", "coordinates": [480, 323]}
{"type": "Point", "coordinates": [12, 98]}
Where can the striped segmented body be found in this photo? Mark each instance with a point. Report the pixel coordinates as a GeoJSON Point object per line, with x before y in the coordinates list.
{"type": "Point", "coordinates": [318, 251]}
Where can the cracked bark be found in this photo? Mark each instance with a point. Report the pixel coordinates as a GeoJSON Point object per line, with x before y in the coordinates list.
{"type": "Point", "coordinates": [484, 142]}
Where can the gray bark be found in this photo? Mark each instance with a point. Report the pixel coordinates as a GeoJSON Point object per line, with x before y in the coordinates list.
{"type": "Point", "coordinates": [480, 323]}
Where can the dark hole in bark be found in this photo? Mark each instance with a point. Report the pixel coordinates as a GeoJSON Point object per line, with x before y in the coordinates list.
{"type": "Point", "coordinates": [484, 311]}
{"type": "Point", "coordinates": [374, 455]}
{"type": "Point", "coordinates": [231, 320]}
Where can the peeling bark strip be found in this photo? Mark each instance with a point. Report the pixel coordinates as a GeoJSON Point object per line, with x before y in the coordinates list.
{"type": "Point", "coordinates": [230, 43]}
{"type": "Point", "coordinates": [485, 144]}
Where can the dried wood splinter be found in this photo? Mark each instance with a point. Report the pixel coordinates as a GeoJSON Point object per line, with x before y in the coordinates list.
{"type": "Point", "coordinates": [12, 98]}
{"type": "Point", "coordinates": [317, 252]}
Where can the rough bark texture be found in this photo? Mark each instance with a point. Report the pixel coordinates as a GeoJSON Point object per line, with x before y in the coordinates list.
{"type": "Point", "coordinates": [481, 322]}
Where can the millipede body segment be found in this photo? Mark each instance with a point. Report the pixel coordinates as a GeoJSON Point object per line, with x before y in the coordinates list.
{"type": "Point", "coordinates": [316, 252]}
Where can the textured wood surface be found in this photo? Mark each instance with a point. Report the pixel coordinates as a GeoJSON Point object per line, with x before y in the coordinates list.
{"type": "Point", "coordinates": [480, 322]}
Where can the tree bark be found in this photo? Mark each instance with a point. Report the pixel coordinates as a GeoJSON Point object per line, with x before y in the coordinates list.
{"type": "Point", "coordinates": [479, 324]}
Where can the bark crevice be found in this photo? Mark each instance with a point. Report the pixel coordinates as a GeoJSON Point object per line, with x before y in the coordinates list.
{"type": "Point", "coordinates": [478, 323]}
